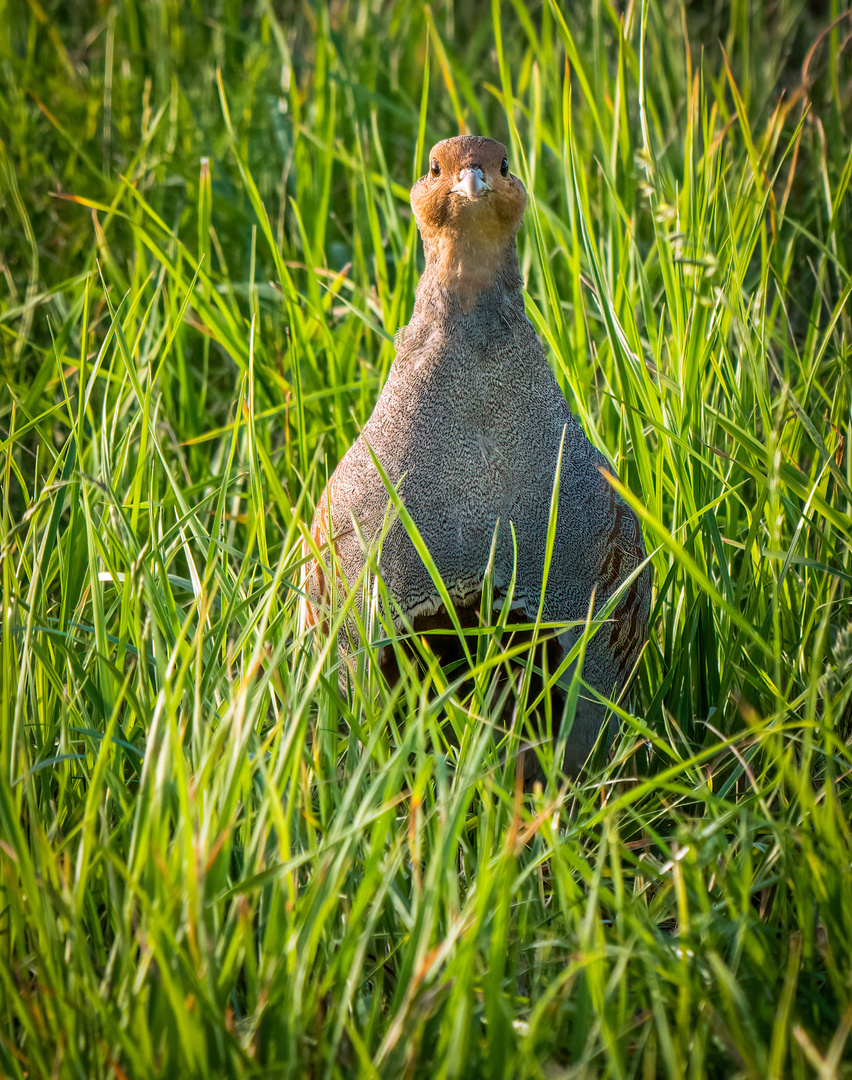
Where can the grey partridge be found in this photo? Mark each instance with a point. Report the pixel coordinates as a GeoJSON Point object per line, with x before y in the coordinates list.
{"type": "Point", "coordinates": [468, 429]}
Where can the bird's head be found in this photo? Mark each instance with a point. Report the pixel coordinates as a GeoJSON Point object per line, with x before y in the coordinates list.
{"type": "Point", "coordinates": [468, 207]}
{"type": "Point", "coordinates": [469, 188]}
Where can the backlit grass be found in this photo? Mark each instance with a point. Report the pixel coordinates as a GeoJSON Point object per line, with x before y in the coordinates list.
{"type": "Point", "coordinates": [212, 862]}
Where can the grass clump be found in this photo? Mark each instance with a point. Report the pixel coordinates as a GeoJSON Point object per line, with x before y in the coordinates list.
{"type": "Point", "coordinates": [212, 863]}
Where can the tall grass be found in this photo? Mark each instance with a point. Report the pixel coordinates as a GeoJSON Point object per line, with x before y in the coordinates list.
{"type": "Point", "coordinates": [211, 862]}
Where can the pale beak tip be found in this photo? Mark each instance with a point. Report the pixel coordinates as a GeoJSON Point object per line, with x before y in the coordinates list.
{"type": "Point", "coordinates": [471, 184]}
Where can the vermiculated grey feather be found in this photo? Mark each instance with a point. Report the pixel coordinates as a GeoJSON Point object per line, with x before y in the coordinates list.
{"type": "Point", "coordinates": [469, 426]}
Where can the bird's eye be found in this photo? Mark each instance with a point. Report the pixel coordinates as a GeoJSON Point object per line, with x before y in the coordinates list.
{"type": "Point", "coordinates": [504, 168]}
{"type": "Point", "coordinates": [434, 167]}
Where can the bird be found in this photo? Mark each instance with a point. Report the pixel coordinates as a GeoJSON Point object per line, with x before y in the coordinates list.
{"type": "Point", "coordinates": [469, 428]}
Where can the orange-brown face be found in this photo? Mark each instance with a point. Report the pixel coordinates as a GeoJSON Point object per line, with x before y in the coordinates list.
{"type": "Point", "coordinates": [469, 190]}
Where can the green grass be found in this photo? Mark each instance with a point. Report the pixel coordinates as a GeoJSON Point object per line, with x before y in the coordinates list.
{"type": "Point", "coordinates": [211, 863]}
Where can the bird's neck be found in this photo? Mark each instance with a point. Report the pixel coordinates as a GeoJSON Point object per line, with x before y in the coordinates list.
{"type": "Point", "coordinates": [460, 275]}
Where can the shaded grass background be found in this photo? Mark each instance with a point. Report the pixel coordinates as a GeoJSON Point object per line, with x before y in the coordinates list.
{"type": "Point", "coordinates": [210, 863]}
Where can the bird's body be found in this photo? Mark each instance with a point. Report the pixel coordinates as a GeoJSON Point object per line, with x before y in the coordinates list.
{"type": "Point", "coordinates": [468, 427]}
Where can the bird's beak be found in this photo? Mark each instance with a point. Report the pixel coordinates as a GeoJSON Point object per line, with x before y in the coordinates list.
{"type": "Point", "coordinates": [472, 184]}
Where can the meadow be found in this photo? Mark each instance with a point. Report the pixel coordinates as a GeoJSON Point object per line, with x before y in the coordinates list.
{"type": "Point", "coordinates": [213, 862]}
